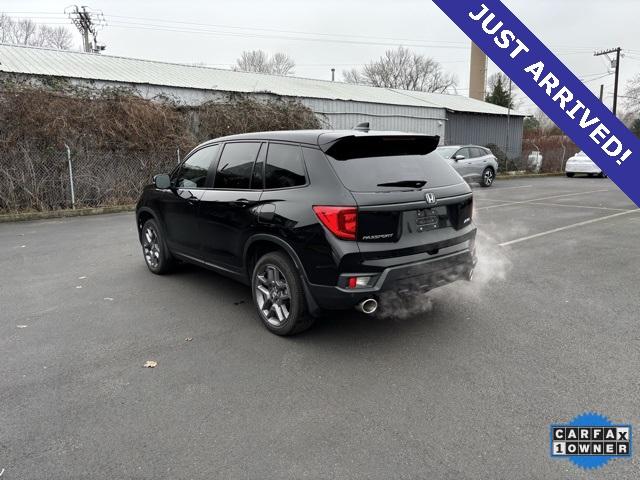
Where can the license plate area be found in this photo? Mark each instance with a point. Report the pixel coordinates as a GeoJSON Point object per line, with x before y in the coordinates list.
{"type": "Point", "coordinates": [427, 219]}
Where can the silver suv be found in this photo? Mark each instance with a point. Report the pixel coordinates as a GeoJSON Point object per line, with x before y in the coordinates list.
{"type": "Point", "coordinates": [473, 163]}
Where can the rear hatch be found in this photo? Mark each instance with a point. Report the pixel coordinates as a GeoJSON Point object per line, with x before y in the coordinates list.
{"type": "Point", "coordinates": [410, 200]}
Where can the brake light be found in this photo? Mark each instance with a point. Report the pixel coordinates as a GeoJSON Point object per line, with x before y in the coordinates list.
{"type": "Point", "coordinates": [341, 221]}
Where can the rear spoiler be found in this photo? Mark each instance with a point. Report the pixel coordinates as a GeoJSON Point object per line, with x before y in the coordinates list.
{"type": "Point", "coordinates": [360, 146]}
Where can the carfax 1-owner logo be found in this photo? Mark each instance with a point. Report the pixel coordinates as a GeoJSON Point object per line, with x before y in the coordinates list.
{"type": "Point", "coordinates": [591, 440]}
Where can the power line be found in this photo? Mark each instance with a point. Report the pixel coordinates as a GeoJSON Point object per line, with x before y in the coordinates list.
{"type": "Point", "coordinates": [87, 22]}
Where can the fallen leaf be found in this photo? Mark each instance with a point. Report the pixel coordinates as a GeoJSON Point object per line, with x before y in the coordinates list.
{"type": "Point", "coordinates": [81, 278]}
{"type": "Point", "coordinates": [108, 299]}
{"type": "Point", "coordinates": [21, 326]}
{"type": "Point", "coordinates": [150, 364]}
{"type": "Point", "coordinates": [238, 303]}
{"type": "Point", "coordinates": [78, 286]}
{"type": "Point", "coordinates": [188, 339]}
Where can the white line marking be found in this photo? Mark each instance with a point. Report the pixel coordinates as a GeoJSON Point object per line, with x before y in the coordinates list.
{"type": "Point", "coordinates": [543, 198]}
{"type": "Point", "coordinates": [511, 188]}
{"type": "Point", "coordinates": [556, 230]}
{"type": "Point", "coordinates": [582, 206]}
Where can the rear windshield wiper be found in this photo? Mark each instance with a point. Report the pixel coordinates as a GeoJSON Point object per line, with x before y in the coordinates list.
{"type": "Point", "coordinates": [405, 183]}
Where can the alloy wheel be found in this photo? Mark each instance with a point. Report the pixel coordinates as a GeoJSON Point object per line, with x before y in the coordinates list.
{"type": "Point", "coordinates": [273, 295]}
{"type": "Point", "coordinates": [151, 247]}
{"type": "Point", "coordinates": [488, 177]}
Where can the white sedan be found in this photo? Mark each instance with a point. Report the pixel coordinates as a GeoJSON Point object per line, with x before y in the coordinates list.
{"type": "Point", "coordinates": [580, 163]}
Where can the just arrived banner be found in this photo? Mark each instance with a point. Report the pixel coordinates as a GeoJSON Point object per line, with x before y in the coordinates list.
{"type": "Point", "coordinates": [552, 87]}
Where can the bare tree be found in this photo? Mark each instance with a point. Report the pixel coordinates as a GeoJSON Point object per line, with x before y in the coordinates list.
{"type": "Point", "coordinates": [632, 94]}
{"type": "Point", "coordinates": [260, 61]}
{"type": "Point", "coordinates": [404, 69]}
{"type": "Point", "coordinates": [27, 32]}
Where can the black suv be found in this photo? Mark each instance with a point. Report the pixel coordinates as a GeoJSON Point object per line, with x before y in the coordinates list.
{"type": "Point", "coordinates": [313, 220]}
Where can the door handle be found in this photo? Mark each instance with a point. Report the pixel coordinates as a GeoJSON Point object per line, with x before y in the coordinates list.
{"type": "Point", "coordinates": [187, 195]}
{"type": "Point", "coordinates": [241, 202]}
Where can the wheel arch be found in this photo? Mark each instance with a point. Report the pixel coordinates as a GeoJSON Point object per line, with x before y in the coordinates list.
{"type": "Point", "coordinates": [142, 215]}
{"type": "Point", "coordinates": [263, 243]}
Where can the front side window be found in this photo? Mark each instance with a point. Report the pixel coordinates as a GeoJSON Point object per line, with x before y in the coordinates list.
{"type": "Point", "coordinates": [236, 166]}
{"type": "Point", "coordinates": [285, 167]}
{"type": "Point", "coordinates": [193, 173]}
{"type": "Point", "coordinates": [465, 152]}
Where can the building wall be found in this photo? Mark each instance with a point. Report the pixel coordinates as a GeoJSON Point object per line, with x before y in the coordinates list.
{"type": "Point", "coordinates": [477, 129]}
{"type": "Point", "coordinates": [452, 127]}
{"type": "Point", "coordinates": [340, 114]}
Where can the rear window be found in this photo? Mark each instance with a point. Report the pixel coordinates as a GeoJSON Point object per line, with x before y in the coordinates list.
{"type": "Point", "coordinates": [370, 174]}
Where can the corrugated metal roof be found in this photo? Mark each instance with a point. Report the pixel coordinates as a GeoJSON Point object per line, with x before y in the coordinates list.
{"type": "Point", "coordinates": [64, 63]}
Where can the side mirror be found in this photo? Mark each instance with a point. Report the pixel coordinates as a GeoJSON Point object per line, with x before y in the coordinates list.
{"type": "Point", "coordinates": [459, 157]}
{"type": "Point", "coordinates": [162, 181]}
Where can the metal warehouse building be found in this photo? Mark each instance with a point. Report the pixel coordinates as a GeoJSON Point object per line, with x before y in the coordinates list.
{"type": "Point", "coordinates": [457, 119]}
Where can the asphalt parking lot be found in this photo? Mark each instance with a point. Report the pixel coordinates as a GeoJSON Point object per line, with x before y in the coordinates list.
{"type": "Point", "coordinates": [463, 388]}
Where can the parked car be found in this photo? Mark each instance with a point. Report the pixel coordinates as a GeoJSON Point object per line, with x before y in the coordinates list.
{"type": "Point", "coordinates": [474, 163]}
{"type": "Point", "coordinates": [581, 163]}
{"type": "Point", "coordinates": [313, 220]}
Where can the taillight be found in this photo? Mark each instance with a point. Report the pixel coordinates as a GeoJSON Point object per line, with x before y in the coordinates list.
{"type": "Point", "coordinates": [341, 221]}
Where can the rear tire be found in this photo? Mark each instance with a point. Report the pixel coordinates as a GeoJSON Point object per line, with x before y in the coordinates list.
{"type": "Point", "coordinates": [488, 176]}
{"type": "Point", "coordinates": [570, 174]}
{"type": "Point", "coordinates": [602, 175]}
{"type": "Point", "coordinates": [154, 249]}
{"type": "Point", "coordinates": [278, 295]}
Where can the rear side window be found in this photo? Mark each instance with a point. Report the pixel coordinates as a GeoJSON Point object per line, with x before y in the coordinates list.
{"type": "Point", "coordinates": [285, 167]}
{"type": "Point", "coordinates": [478, 152]}
{"type": "Point", "coordinates": [236, 166]}
{"type": "Point", "coordinates": [193, 172]}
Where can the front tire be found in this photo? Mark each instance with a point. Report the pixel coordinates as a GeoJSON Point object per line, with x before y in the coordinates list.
{"type": "Point", "coordinates": [278, 295]}
{"type": "Point", "coordinates": [602, 175]}
{"type": "Point", "coordinates": [155, 251]}
{"type": "Point", "coordinates": [570, 174]}
{"type": "Point", "coordinates": [488, 176]}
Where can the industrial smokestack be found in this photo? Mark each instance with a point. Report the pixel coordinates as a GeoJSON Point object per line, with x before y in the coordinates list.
{"type": "Point", "coordinates": [478, 74]}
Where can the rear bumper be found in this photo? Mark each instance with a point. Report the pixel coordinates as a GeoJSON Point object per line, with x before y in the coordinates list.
{"type": "Point", "coordinates": [593, 168]}
{"type": "Point", "coordinates": [419, 276]}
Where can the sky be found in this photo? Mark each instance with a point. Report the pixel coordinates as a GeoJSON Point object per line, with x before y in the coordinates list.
{"type": "Point", "coordinates": [346, 34]}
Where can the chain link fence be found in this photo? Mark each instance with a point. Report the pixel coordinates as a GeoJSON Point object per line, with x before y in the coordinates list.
{"type": "Point", "coordinates": [61, 179]}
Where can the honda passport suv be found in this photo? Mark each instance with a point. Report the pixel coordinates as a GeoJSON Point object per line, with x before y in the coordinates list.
{"type": "Point", "coordinates": [313, 220]}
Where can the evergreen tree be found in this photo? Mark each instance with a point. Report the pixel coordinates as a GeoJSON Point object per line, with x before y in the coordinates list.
{"type": "Point", "coordinates": [499, 91]}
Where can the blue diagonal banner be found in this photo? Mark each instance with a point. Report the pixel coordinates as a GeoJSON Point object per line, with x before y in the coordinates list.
{"type": "Point", "coordinates": [548, 83]}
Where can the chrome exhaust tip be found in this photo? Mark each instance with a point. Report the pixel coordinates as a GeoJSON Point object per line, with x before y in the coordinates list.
{"type": "Point", "coordinates": [368, 306]}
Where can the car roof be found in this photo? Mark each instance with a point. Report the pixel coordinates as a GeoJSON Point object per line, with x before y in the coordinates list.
{"type": "Point", "coordinates": [309, 137]}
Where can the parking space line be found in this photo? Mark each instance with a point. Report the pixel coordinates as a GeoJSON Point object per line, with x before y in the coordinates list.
{"type": "Point", "coordinates": [581, 206]}
{"type": "Point", "coordinates": [511, 188]}
{"type": "Point", "coordinates": [543, 198]}
{"type": "Point", "coordinates": [575, 225]}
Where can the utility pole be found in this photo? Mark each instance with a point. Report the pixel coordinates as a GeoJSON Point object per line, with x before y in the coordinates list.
{"type": "Point", "coordinates": [506, 162]}
{"type": "Point", "coordinates": [601, 92]}
{"type": "Point", "coordinates": [333, 74]}
{"type": "Point", "coordinates": [618, 52]}
{"type": "Point", "coordinates": [87, 22]}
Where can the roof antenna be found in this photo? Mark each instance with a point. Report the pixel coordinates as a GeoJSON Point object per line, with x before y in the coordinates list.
{"type": "Point", "coordinates": [362, 127]}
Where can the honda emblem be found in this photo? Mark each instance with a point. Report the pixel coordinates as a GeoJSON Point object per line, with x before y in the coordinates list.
{"type": "Point", "coordinates": [430, 197]}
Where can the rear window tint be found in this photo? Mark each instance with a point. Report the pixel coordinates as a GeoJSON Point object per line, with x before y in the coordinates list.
{"type": "Point", "coordinates": [284, 167]}
{"type": "Point", "coordinates": [368, 173]}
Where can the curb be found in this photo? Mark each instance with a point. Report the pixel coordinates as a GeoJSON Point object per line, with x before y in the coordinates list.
{"type": "Point", "coordinates": [528, 175]}
{"type": "Point", "coordinates": [80, 212]}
